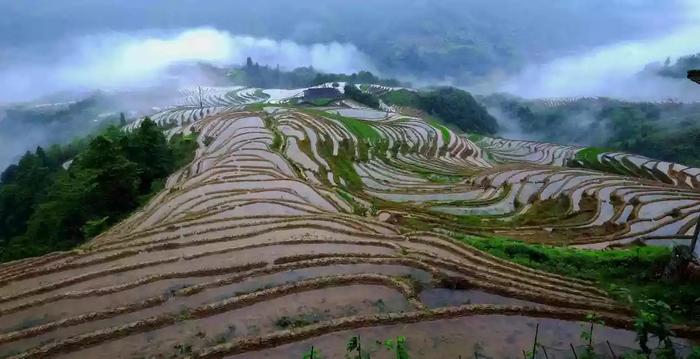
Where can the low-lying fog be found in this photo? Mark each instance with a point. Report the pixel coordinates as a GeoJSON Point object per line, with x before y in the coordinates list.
{"type": "Point", "coordinates": [57, 51]}
{"type": "Point", "coordinates": [531, 49]}
{"type": "Point", "coordinates": [137, 60]}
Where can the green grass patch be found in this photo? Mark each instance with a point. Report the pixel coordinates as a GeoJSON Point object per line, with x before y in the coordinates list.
{"type": "Point", "coordinates": [436, 124]}
{"type": "Point", "coordinates": [402, 98]}
{"type": "Point", "coordinates": [625, 273]}
{"type": "Point", "coordinates": [435, 177]}
{"type": "Point", "coordinates": [546, 211]}
{"type": "Point", "coordinates": [277, 140]}
{"type": "Point", "coordinates": [475, 137]}
{"type": "Point", "coordinates": [361, 129]}
{"type": "Point", "coordinates": [589, 157]}
{"type": "Point", "coordinates": [357, 207]}
{"type": "Point", "coordinates": [256, 107]}
{"type": "Point", "coordinates": [341, 164]}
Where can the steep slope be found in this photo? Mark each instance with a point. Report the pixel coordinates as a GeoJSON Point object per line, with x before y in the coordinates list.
{"type": "Point", "coordinates": [295, 222]}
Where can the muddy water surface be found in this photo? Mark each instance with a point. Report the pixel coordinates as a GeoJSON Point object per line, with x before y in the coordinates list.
{"type": "Point", "coordinates": [443, 297]}
{"type": "Point", "coordinates": [176, 304]}
{"type": "Point", "coordinates": [258, 319]}
{"type": "Point", "coordinates": [491, 336]}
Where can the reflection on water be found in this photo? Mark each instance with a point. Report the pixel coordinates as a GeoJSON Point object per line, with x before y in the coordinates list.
{"type": "Point", "coordinates": [296, 309]}
{"type": "Point", "coordinates": [360, 113]}
{"type": "Point", "coordinates": [443, 297]}
{"type": "Point", "coordinates": [667, 242]}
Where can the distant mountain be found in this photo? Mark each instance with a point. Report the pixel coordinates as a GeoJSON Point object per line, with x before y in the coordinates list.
{"type": "Point", "coordinates": [666, 130]}
{"type": "Point", "coordinates": [442, 39]}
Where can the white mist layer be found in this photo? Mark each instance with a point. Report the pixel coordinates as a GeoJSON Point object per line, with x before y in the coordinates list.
{"type": "Point", "coordinates": [122, 60]}
{"type": "Point", "coordinates": [614, 70]}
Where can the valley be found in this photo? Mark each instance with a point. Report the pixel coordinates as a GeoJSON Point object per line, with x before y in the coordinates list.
{"type": "Point", "coordinates": [302, 223]}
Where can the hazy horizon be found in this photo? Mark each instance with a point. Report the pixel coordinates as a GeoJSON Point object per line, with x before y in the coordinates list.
{"type": "Point", "coordinates": [538, 49]}
{"type": "Point", "coordinates": [60, 51]}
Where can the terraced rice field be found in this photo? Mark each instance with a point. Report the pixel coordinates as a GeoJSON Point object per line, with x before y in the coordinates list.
{"type": "Point", "coordinates": [294, 223]}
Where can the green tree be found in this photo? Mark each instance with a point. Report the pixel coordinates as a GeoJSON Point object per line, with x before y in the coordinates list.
{"type": "Point", "coordinates": [102, 183]}
{"type": "Point", "coordinates": [23, 186]}
{"type": "Point", "coordinates": [183, 148]}
{"type": "Point", "coordinates": [116, 179]}
{"type": "Point", "coordinates": [449, 104]}
{"type": "Point", "coordinates": [56, 224]}
{"type": "Point", "coordinates": [147, 147]}
{"type": "Point", "coordinates": [458, 107]}
{"type": "Point", "coordinates": [653, 320]}
{"type": "Point", "coordinates": [44, 207]}
{"type": "Point", "coordinates": [352, 92]}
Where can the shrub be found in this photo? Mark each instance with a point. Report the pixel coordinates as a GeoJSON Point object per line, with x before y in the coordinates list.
{"type": "Point", "coordinates": [364, 98]}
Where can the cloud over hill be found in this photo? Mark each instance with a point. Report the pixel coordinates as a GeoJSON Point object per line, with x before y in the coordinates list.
{"type": "Point", "coordinates": [110, 60]}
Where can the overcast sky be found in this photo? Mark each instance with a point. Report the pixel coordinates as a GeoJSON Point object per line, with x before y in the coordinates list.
{"type": "Point", "coordinates": [530, 48]}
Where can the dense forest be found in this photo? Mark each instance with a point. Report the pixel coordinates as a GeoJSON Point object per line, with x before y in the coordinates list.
{"type": "Point", "coordinates": [57, 198]}
{"type": "Point", "coordinates": [23, 127]}
{"type": "Point", "coordinates": [367, 99]}
{"type": "Point", "coordinates": [667, 131]}
{"type": "Point", "coordinates": [451, 105]}
{"type": "Point", "coordinates": [253, 74]}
